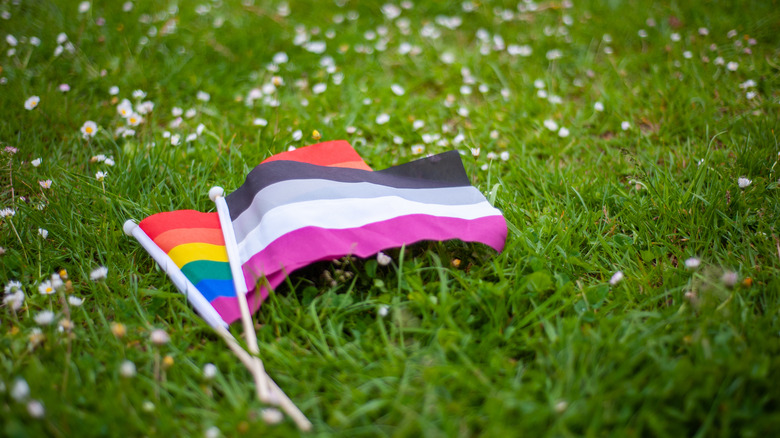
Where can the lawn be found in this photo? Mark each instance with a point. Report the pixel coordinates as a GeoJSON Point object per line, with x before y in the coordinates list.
{"type": "Point", "coordinates": [631, 146]}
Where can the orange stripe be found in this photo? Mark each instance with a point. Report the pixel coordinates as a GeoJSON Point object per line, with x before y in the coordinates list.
{"type": "Point", "coordinates": [159, 223]}
{"type": "Point", "coordinates": [352, 165]}
{"type": "Point", "coordinates": [173, 238]}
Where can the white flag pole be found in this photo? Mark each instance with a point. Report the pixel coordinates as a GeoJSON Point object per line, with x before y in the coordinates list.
{"type": "Point", "coordinates": [207, 312]}
{"type": "Point", "coordinates": [281, 400]}
{"type": "Point", "coordinates": [226, 224]}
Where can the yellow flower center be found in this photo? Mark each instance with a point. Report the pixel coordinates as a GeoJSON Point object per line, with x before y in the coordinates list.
{"type": "Point", "coordinates": [88, 129]}
{"type": "Point", "coordinates": [49, 290]}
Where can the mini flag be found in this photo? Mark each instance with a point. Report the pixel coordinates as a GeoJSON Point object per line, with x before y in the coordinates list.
{"type": "Point", "coordinates": [190, 247]}
{"type": "Point", "coordinates": [289, 214]}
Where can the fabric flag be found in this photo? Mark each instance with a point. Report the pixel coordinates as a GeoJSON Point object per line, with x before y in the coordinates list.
{"type": "Point", "coordinates": [289, 214]}
{"type": "Point", "coordinates": [190, 247]}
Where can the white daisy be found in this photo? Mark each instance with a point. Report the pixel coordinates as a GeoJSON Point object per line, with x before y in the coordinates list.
{"type": "Point", "coordinates": [551, 125]}
{"type": "Point", "coordinates": [203, 96]}
{"type": "Point", "coordinates": [125, 108]}
{"type": "Point", "coordinates": [88, 129]}
{"type": "Point", "coordinates": [209, 371]}
{"type": "Point", "coordinates": [617, 277]}
{"type": "Point", "coordinates": [31, 102]}
{"type": "Point", "coordinates": [99, 273]}
{"type": "Point", "coordinates": [46, 288]}
{"type": "Point", "coordinates": [45, 317]}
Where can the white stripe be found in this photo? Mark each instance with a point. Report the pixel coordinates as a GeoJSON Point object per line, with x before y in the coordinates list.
{"type": "Point", "coordinates": [230, 245]}
{"type": "Point", "coordinates": [347, 213]}
{"type": "Point", "coordinates": [302, 190]}
{"type": "Point", "coordinates": [185, 286]}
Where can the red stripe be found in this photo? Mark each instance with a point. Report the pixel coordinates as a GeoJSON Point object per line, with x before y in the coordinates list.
{"type": "Point", "coordinates": [172, 238]}
{"type": "Point", "coordinates": [159, 223]}
{"type": "Point", "coordinates": [330, 153]}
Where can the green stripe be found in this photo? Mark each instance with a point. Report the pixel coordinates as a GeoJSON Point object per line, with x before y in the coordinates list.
{"type": "Point", "coordinates": [206, 270]}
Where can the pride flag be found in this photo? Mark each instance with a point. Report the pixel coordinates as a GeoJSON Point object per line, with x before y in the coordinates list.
{"type": "Point", "coordinates": [321, 202]}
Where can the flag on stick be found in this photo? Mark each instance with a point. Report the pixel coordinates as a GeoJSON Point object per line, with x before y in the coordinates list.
{"type": "Point", "coordinates": [289, 214]}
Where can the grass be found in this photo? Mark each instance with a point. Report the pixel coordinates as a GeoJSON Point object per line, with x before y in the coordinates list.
{"type": "Point", "coordinates": [532, 341]}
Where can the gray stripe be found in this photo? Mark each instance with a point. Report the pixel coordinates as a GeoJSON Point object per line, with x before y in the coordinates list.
{"type": "Point", "coordinates": [292, 191]}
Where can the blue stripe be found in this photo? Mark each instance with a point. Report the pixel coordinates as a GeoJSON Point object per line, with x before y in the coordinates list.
{"type": "Point", "coordinates": [212, 289]}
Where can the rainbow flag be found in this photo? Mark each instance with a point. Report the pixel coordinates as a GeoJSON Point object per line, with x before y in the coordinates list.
{"type": "Point", "coordinates": [189, 245]}
{"type": "Point", "coordinates": [321, 202]}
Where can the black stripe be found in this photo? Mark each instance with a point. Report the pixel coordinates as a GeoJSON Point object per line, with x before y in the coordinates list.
{"type": "Point", "coordinates": [442, 170]}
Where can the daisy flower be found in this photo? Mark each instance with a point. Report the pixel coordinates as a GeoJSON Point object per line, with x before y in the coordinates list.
{"type": "Point", "coordinates": [31, 103]}
{"type": "Point", "coordinates": [14, 299]}
{"type": "Point", "coordinates": [617, 277]}
{"type": "Point", "coordinates": [127, 369]}
{"type": "Point", "coordinates": [418, 149]}
{"type": "Point", "coordinates": [113, 91]}
{"type": "Point", "coordinates": [692, 263]}
{"type": "Point", "coordinates": [45, 317]}
{"type": "Point", "coordinates": [88, 129]}
{"type": "Point", "coordinates": [551, 125]}
{"type": "Point", "coordinates": [46, 288]}
{"type": "Point", "coordinates": [319, 88]}
{"type": "Point", "coordinates": [203, 96]}
{"type": "Point", "coordinates": [134, 119]}
{"type": "Point", "coordinates": [382, 119]}
{"type": "Point", "coordinates": [101, 175]}
{"type": "Point", "coordinates": [209, 371]}
{"type": "Point", "coordinates": [383, 259]}
{"type": "Point", "coordinates": [20, 390]}
{"type": "Point", "coordinates": [35, 409]}
{"type": "Point", "coordinates": [13, 286]}
{"type": "Point", "coordinates": [159, 337]}
{"type": "Point", "coordinates": [46, 184]}
{"type": "Point", "coordinates": [99, 273]}
{"type": "Point", "coordinates": [743, 182]}
{"type": "Point", "coordinates": [125, 108]}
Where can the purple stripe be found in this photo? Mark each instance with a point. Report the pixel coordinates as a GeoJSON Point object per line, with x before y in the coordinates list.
{"type": "Point", "coordinates": [312, 244]}
{"type": "Point", "coordinates": [304, 246]}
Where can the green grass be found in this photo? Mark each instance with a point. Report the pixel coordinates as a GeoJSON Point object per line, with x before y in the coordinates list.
{"type": "Point", "coordinates": [532, 341]}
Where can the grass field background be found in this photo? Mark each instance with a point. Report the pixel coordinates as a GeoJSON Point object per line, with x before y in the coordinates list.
{"type": "Point", "coordinates": [632, 146]}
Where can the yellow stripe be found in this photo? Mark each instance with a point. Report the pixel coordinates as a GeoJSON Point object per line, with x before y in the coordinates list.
{"type": "Point", "coordinates": [183, 254]}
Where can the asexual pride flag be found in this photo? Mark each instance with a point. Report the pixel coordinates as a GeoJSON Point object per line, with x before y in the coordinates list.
{"type": "Point", "coordinates": [289, 214]}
